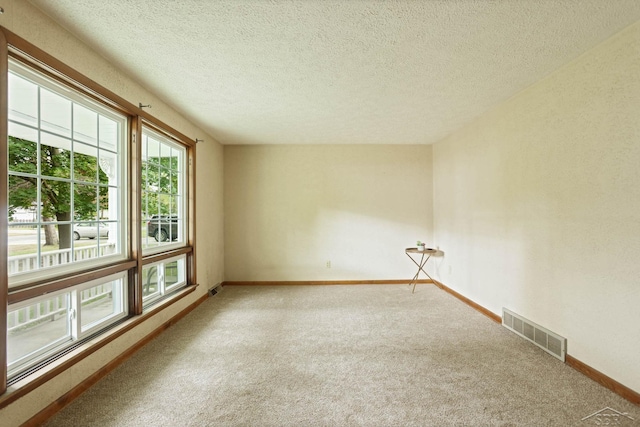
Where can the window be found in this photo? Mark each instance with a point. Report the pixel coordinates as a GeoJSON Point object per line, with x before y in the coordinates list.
{"type": "Point", "coordinates": [162, 278]}
{"type": "Point", "coordinates": [66, 205]}
{"type": "Point", "coordinates": [100, 228]}
{"type": "Point", "coordinates": [163, 214]}
{"type": "Point", "coordinates": [65, 157]}
{"type": "Point", "coordinates": [40, 327]}
{"type": "Point", "coordinates": [163, 192]}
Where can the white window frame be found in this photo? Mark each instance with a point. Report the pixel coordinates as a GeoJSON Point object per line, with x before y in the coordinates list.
{"type": "Point", "coordinates": [74, 320]}
{"type": "Point", "coordinates": [162, 288]}
{"type": "Point", "coordinates": [120, 300]}
{"type": "Point", "coordinates": [28, 360]}
{"type": "Point", "coordinates": [182, 192]}
{"type": "Point", "coordinates": [121, 250]}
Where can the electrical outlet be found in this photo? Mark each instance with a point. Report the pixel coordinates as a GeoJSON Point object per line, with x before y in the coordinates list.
{"type": "Point", "coordinates": [449, 269]}
{"type": "Point", "coordinates": [328, 264]}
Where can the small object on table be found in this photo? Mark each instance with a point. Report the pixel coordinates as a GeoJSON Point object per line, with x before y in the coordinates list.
{"type": "Point", "coordinates": [423, 261]}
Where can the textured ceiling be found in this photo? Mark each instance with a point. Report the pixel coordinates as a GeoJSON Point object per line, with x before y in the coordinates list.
{"type": "Point", "coordinates": [338, 72]}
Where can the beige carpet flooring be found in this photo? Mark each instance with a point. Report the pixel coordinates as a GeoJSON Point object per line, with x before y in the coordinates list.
{"type": "Point", "coordinates": [340, 356]}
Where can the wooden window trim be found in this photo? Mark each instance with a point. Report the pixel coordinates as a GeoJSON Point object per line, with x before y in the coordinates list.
{"type": "Point", "coordinates": [135, 201]}
{"type": "Point", "coordinates": [167, 131]}
{"type": "Point", "coordinates": [34, 290]}
{"type": "Point", "coordinates": [166, 255]}
{"type": "Point", "coordinates": [4, 202]}
{"type": "Point", "coordinates": [13, 46]}
{"type": "Point", "coordinates": [191, 214]}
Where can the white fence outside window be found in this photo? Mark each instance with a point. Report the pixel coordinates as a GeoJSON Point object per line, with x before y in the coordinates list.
{"type": "Point", "coordinates": [54, 308]}
{"type": "Point", "coordinates": [23, 263]}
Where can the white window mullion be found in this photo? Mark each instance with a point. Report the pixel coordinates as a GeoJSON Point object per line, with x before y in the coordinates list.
{"type": "Point", "coordinates": [72, 185]}
{"type": "Point", "coordinates": [39, 213]}
{"type": "Point", "coordinates": [39, 185]}
{"type": "Point", "coordinates": [161, 284]}
{"type": "Point", "coordinates": [74, 314]}
{"type": "Point", "coordinates": [181, 196]}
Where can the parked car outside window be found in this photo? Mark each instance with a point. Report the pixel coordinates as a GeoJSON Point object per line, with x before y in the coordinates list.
{"type": "Point", "coordinates": [90, 230]}
{"type": "Point", "coordinates": [163, 227]}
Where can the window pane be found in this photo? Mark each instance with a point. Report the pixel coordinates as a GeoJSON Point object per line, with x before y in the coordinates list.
{"type": "Point", "coordinates": [163, 190]}
{"type": "Point", "coordinates": [22, 132]}
{"type": "Point", "coordinates": [59, 182]}
{"type": "Point", "coordinates": [32, 247]}
{"type": "Point", "coordinates": [108, 203]}
{"type": "Point", "coordinates": [55, 198]}
{"type": "Point", "coordinates": [86, 245]}
{"type": "Point", "coordinates": [54, 160]}
{"type": "Point", "coordinates": [109, 133]}
{"type": "Point", "coordinates": [161, 278]}
{"type": "Point", "coordinates": [175, 177]}
{"type": "Point", "coordinates": [85, 124]}
{"type": "Point", "coordinates": [164, 177]}
{"type": "Point", "coordinates": [162, 229]}
{"type": "Point", "coordinates": [152, 150]}
{"type": "Point", "coordinates": [175, 161]}
{"type": "Point", "coordinates": [157, 228]}
{"type": "Point", "coordinates": [23, 243]}
{"type": "Point", "coordinates": [152, 177]}
{"type": "Point", "coordinates": [23, 156]}
{"type": "Point", "coordinates": [109, 242]}
{"type": "Point", "coordinates": [100, 303]}
{"type": "Point", "coordinates": [85, 163]}
{"type": "Point", "coordinates": [55, 247]}
{"type": "Point", "coordinates": [174, 206]}
{"type": "Point", "coordinates": [36, 328]}
{"type": "Point", "coordinates": [145, 205]}
{"type": "Point", "coordinates": [23, 100]}
{"type": "Point", "coordinates": [164, 204]}
{"type": "Point", "coordinates": [107, 168]}
{"type": "Point", "coordinates": [150, 284]}
{"type": "Point", "coordinates": [86, 202]}
{"type": "Point", "coordinates": [164, 153]}
{"type": "Point", "coordinates": [91, 230]}
{"type": "Point", "coordinates": [55, 113]}
{"type": "Point", "coordinates": [23, 195]}
{"type": "Point", "coordinates": [152, 204]}
{"type": "Point", "coordinates": [174, 273]}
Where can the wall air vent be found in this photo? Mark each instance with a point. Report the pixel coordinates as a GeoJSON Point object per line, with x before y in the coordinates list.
{"type": "Point", "coordinates": [550, 342]}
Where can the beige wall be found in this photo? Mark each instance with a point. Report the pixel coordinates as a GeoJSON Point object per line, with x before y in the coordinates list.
{"type": "Point", "coordinates": [290, 209]}
{"type": "Point", "coordinates": [537, 206]}
{"type": "Point", "coordinates": [26, 21]}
